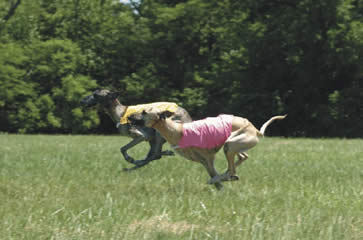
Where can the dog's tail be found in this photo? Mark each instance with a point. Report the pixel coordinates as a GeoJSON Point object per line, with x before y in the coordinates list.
{"type": "Point", "coordinates": [265, 125]}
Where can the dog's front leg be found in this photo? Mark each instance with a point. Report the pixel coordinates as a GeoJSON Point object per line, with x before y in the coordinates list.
{"type": "Point", "coordinates": [138, 134]}
{"type": "Point", "coordinates": [137, 163]}
{"type": "Point", "coordinates": [223, 177]}
{"type": "Point", "coordinates": [207, 161]}
{"type": "Point", "coordinates": [209, 165]}
{"type": "Point", "coordinates": [124, 149]}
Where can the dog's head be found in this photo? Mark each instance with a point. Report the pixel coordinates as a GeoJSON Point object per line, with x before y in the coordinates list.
{"type": "Point", "coordinates": [99, 96]}
{"type": "Point", "coordinates": [149, 117]}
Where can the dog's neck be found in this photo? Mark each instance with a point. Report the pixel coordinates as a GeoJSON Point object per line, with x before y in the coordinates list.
{"type": "Point", "coordinates": [115, 110]}
{"type": "Point", "coordinates": [170, 130]}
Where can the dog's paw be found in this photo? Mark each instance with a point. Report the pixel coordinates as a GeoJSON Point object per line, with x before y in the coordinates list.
{"type": "Point", "coordinates": [215, 179]}
{"type": "Point", "coordinates": [129, 159]}
{"type": "Point", "coordinates": [167, 153]}
{"type": "Point", "coordinates": [233, 178]}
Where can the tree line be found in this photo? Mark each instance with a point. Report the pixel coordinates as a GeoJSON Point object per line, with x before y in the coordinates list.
{"type": "Point", "coordinates": [252, 58]}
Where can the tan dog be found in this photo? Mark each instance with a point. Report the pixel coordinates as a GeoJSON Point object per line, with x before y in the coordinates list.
{"type": "Point", "coordinates": [243, 136]}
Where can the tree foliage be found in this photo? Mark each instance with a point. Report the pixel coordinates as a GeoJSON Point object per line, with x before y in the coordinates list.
{"type": "Point", "coordinates": [253, 58]}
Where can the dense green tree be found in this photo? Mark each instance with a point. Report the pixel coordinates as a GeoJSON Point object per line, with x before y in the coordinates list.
{"type": "Point", "coordinates": [14, 90]}
{"type": "Point", "coordinates": [254, 58]}
{"type": "Point", "coordinates": [48, 99]}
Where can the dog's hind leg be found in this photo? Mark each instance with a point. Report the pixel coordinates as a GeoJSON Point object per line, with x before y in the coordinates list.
{"type": "Point", "coordinates": [242, 156]}
{"type": "Point", "coordinates": [156, 144]}
{"type": "Point", "coordinates": [155, 149]}
{"type": "Point", "coordinates": [236, 144]}
{"type": "Point", "coordinates": [159, 142]}
{"type": "Point", "coordinates": [229, 175]}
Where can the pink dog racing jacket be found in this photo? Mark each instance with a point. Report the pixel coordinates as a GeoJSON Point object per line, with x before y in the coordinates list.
{"type": "Point", "coordinates": [206, 133]}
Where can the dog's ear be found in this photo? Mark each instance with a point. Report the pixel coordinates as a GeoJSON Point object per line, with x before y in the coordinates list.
{"type": "Point", "coordinates": [114, 95]}
{"type": "Point", "coordinates": [97, 93]}
{"type": "Point", "coordinates": [165, 114]}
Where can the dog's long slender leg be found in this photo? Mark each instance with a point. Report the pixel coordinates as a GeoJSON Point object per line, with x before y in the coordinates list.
{"type": "Point", "coordinates": [124, 149]}
{"type": "Point", "coordinates": [241, 158]}
{"type": "Point", "coordinates": [140, 164]}
{"type": "Point", "coordinates": [209, 165]}
{"type": "Point", "coordinates": [152, 151]}
{"type": "Point", "coordinates": [230, 174]}
{"type": "Point", "coordinates": [166, 152]}
{"type": "Point", "coordinates": [237, 143]}
{"type": "Point", "coordinates": [155, 147]}
{"type": "Point", "coordinates": [213, 173]}
{"type": "Point", "coordinates": [231, 167]}
{"type": "Point", "coordinates": [158, 147]}
{"type": "Point", "coordinates": [152, 154]}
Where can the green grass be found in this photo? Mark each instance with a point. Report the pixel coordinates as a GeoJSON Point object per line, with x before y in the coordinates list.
{"type": "Point", "coordinates": [73, 187]}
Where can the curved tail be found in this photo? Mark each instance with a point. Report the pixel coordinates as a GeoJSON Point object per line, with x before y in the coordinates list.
{"type": "Point", "coordinates": [265, 125]}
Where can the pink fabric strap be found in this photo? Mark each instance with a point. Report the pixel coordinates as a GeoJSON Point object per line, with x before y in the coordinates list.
{"type": "Point", "coordinates": [210, 132]}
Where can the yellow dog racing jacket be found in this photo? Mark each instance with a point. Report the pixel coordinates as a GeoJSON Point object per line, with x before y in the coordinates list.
{"type": "Point", "coordinates": [162, 106]}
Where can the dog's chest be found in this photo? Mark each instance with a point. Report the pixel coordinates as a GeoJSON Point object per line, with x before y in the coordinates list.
{"type": "Point", "coordinates": [207, 133]}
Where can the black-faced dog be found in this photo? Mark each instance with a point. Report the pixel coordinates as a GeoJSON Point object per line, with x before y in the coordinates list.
{"type": "Point", "coordinates": [109, 103]}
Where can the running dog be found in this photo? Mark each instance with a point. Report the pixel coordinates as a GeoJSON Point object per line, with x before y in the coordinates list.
{"type": "Point", "coordinates": [109, 103]}
{"type": "Point", "coordinates": [200, 140]}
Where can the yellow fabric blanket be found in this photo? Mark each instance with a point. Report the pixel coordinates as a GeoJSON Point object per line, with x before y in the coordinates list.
{"type": "Point", "coordinates": [163, 106]}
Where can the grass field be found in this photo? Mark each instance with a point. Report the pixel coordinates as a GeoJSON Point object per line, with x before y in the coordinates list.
{"type": "Point", "coordinates": [73, 187]}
